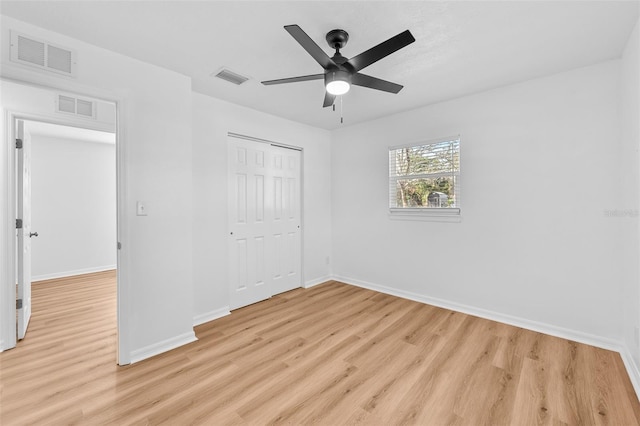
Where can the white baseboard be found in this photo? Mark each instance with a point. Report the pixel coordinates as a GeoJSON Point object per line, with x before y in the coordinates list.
{"type": "Point", "coordinates": [574, 335]}
{"type": "Point", "coordinates": [317, 281]}
{"type": "Point", "coordinates": [163, 346]}
{"type": "Point", "coordinates": [632, 368]}
{"type": "Point", "coordinates": [72, 273]}
{"type": "Point", "coordinates": [210, 316]}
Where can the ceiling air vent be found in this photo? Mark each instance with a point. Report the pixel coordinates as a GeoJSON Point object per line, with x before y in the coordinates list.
{"type": "Point", "coordinates": [38, 53]}
{"type": "Point", "coordinates": [80, 107]}
{"type": "Point", "coordinates": [231, 76]}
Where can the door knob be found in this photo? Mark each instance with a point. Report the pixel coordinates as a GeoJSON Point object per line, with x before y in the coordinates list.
{"type": "Point", "coordinates": [33, 234]}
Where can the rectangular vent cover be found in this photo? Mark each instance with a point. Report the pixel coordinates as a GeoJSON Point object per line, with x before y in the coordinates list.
{"type": "Point", "coordinates": [81, 107]}
{"type": "Point", "coordinates": [231, 76]}
{"type": "Point", "coordinates": [31, 51]}
{"type": "Point", "coordinates": [37, 53]}
{"type": "Point", "coordinates": [84, 108]}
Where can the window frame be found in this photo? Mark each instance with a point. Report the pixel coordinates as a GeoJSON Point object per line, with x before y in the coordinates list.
{"type": "Point", "coordinates": [452, 214]}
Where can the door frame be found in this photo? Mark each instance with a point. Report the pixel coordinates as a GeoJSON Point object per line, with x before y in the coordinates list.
{"type": "Point", "coordinates": [8, 338]}
{"type": "Point", "coordinates": [24, 268]}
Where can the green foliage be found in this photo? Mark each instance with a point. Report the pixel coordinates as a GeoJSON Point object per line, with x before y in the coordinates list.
{"type": "Point", "coordinates": [414, 192]}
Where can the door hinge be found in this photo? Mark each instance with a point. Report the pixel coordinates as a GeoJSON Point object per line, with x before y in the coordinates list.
{"type": "Point", "coordinates": [18, 223]}
{"type": "Point", "coordinates": [19, 304]}
{"type": "Point", "coordinates": [18, 143]}
{"type": "Point", "coordinates": [119, 245]}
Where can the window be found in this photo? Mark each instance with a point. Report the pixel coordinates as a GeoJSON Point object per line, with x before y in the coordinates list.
{"type": "Point", "coordinates": [424, 179]}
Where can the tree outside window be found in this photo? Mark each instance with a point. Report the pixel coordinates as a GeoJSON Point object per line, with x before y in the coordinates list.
{"type": "Point", "coordinates": [425, 176]}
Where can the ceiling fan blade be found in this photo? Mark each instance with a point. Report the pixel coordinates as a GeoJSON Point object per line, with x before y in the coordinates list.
{"type": "Point", "coordinates": [383, 49]}
{"type": "Point", "coordinates": [328, 99]}
{"type": "Point", "coordinates": [364, 80]}
{"type": "Point", "coordinates": [310, 46]}
{"type": "Point", "coordinates": [294, 79]}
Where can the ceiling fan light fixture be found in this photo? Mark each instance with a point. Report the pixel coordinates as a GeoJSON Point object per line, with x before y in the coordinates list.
{"type": "Point", "coordinates": [337, 82]}
{"type": "Point", "coordinates": [338, 87]}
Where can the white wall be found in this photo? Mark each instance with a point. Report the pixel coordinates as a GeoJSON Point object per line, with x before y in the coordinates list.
{"type": "Point", "coordinates": [630, 179]}
{"type": "Point", "coordinates": [539, 168]}
{"type": "Point", "coordinates": [212, 120]}
{"type": "Point", "coordinates": [156, 301]}
{"type": "Point", "coordinates": [73, 202]}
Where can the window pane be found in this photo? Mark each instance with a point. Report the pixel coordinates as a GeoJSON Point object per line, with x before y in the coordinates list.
{"type": "Point", "coordinates": [441, 157]}
{"type": "Point", "coordinates": [437, 192]}
{"type": "Point", "coordinates": [425, 176]}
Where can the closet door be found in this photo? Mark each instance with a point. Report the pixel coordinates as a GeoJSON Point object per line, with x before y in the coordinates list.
{"type": "Point", "coordinates": [264, 220]}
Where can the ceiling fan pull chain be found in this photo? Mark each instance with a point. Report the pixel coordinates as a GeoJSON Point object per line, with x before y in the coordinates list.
{"type": "Point", "coordinates": [341, 114]}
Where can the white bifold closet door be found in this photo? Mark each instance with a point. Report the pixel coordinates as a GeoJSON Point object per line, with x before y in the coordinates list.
{"type": "Point", "coordinates": [264, 220]}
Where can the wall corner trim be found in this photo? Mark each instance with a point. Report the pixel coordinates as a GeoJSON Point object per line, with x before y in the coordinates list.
{"type": "Point", "coordinates": [162, 346]}
{"type": "Point", "coordinates": [316, 281]}
{"type": "Point", "coordinates": [211, 315]}
{"type": "Point", "coordinates": [632, 368]}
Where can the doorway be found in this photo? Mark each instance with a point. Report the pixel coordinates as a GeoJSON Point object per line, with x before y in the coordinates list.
{"type": "Point", "coordinates": [65, 205]}
{"type": "Point", "coordinates": [98, 111]}
{"type": "Point", "coordinates": [265, 241]}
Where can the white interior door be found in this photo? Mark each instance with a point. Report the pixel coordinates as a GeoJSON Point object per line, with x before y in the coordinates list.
{"type": "Point", "coordinates": [264, 221]}
{"type": "Point", "coordinates": [24, 234]}
{"type": "Point", "coordinates": [285, 227]}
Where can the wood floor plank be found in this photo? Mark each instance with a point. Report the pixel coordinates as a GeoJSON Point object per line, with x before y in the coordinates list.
{"type": "Point", "coordinates": [391, 385]}
{"type": "Point", "coordinates": [333, 354]}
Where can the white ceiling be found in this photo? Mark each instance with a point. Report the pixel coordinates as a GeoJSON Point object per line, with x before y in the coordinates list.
{"type": "Point", "coordinates": [460, 48]}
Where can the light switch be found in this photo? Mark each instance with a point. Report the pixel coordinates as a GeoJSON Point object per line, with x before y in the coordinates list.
{"type": "Point", "coordinates": [141, 209]}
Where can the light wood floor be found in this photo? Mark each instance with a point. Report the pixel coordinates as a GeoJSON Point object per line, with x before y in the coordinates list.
{"type": "Point", "coordinates": [333, 354]}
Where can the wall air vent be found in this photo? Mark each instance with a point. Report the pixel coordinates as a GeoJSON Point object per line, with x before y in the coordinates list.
{"type": "Point", "coordinates": [85, 108]}
{"type": "Point", "coordinates": [231, 77]}
{"type": "Point", "coordinates": [79, 107]}
{"type": "Point", "coordinates": [38, 53]}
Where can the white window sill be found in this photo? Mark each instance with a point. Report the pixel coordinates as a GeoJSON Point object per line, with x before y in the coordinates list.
{"type": "Point", "coordinates": [426, 215]}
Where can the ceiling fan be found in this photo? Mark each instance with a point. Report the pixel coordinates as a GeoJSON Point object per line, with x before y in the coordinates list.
{"type": "Point", "coordinates": [340, 72]}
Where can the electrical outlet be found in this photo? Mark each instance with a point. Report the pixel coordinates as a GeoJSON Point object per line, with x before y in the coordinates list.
{"type": "Point", "coordinates": [327, 260]}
